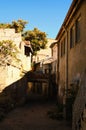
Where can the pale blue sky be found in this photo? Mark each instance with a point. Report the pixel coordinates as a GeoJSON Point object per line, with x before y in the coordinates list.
{"type": "Point", "coordinates": [46, 15]}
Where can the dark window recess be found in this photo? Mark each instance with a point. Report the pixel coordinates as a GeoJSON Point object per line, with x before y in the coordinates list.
{"type": "Point", "coordinates": [78, 30]}
{"type": "Point", "coordinates": [63, 48]}
{"type": "Point", "coordinates": [27, 51]}
{"type": "Point", "coordinates": [72, 37]}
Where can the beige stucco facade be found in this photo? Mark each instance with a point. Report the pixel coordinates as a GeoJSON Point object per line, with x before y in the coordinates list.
{"type": "Point", "coordinates": [43, 54]}
{"type": "Point", "coordinates": [72, 60]}
{"type": "Point", "coordinates": [77, 55]}
{"type": "Point", "coordinates": [71, 40]}
{"type": "Point", "coordinates": [54, 62]}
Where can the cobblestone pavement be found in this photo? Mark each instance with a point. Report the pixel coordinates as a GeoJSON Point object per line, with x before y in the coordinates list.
{"type": "Point", "coordinates": [32, 116]}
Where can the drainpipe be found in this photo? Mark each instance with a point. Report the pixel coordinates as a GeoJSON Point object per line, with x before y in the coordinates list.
{"type": "Point", "coordinates": [58, 62]}
{"type": "Point", "coordinates": [57, 67]}
{"type": "Point", "coordinates": [66, 64]}
{"type": "Point", "coordinates": [66, 59]}
{"type": "Point", "coordinates": [66, 72]}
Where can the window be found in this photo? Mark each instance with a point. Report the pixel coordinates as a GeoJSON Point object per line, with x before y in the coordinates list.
{"type": "Point", "coordinates": [75, 33]}
{"type": "Point", "coordinates": [78, 29]}
{"type": "Point", "coordinates": [63, 47]}
{"type": "Point", "coordinates": [72, 36]}
{"type": "Point", "coordinates": [46, 71]}
{"type": "Point", "coordinates": [27, 51]}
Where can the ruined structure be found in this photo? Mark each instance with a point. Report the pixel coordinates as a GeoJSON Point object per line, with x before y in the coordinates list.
{"type": "Point", "coordinates": [14, 71]}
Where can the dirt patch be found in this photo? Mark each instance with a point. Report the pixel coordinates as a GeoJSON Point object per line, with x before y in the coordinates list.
{"type": "Point", "coordinates": [33, 116]}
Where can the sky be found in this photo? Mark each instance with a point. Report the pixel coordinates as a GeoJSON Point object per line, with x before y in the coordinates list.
{"type": "Point", "coordinates": [46, 15]}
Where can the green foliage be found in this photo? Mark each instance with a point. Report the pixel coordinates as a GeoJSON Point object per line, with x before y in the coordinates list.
{"type": "Point", "coordinates": [18, 25]}
{"type": "Point", "coordinates": [8, 52]}
{"type": "Point", "coordinates": [37, 38]}
{"type": "Point", "coordinates": [5, 25]}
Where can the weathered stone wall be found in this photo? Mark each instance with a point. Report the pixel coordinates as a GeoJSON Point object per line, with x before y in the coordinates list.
{"type": "Point", "coordinates": [17, 90]}
{"type": "Point", "coordinates": [73, 63]}
{"type": "Point", "coordinates": [44, 53]}
{"type": "Point", "coordinates": [26, 60]}
{"type": "Point", "coordinates": [79, 113]}
{"type": "Point", "coordinates": [8, 75]}
{"type": "Point", "coordinates": [12, 73]}
{"type": "Point", "coordinates": [3, 74]}
{"type": "Point", "coordinates": [9, 34]}
{"type": "Point", "coordinates": [77, 55]}
{"type": "Point", "coordinates": [54, 52]}
{"type": "Point", "coordinates": [62, 71]}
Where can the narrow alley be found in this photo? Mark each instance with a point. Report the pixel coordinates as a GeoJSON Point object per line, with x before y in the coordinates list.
{"type": "Point", "coordinates": [33, 116]}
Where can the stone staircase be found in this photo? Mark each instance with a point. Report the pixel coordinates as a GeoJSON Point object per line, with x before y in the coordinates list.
{"type": "Point", "coordinates": [80, 106]}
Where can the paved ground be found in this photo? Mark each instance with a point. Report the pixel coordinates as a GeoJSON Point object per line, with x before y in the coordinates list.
{"type": "Point", "coordinates": [32, 116]}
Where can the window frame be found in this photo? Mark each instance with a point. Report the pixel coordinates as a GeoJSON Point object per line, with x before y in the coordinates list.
{"type": "Point", "coordinates": [78, 29]}
{"type": "Point", "coordinates": [26, 51]}
{"type": "Point", "coordinates": [63, 47]}
{"type": "Point", "coordinates": [72, 36]}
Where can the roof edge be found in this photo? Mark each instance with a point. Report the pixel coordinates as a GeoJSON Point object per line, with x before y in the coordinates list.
{"type": "Point", "coordinates": [67, 16]}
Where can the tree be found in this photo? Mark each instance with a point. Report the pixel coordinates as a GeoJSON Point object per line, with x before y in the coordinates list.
{"type": "Point", "coordinates": [18, 25]}
{"type": "Point", "coordinates": [8, 52]}
{"type": "Point", "coordinates": [5, 25]}
{"type": "Point", "coordinates": [37, 39]}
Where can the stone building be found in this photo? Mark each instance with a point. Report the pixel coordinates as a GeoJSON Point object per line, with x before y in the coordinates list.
{"type": "Point", "coordinates": [43, 54]}
{"type": "Point", "coordinates": [50, 67]}
{"type": "Point", "coordinates": [71, 41]}
{"type": "Point", "coordinates": [71, 45]}
{"type": "Point", "coordinates": [13, 72]}
{"type": "Point", "coordinates": [43, 61]}
{"type": "Point", "coordinates": [54, 62]}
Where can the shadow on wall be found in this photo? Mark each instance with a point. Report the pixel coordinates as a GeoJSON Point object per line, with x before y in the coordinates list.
{"type": "Point", "coordinates": [13, 96]}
